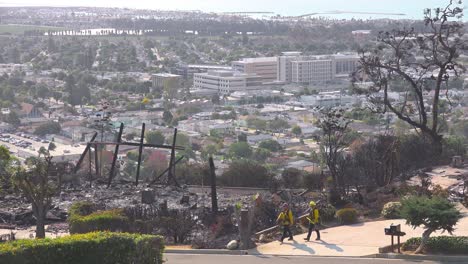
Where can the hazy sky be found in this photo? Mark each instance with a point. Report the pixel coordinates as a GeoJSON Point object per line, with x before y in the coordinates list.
{"type": "Point", "coordinates": [412, 8]}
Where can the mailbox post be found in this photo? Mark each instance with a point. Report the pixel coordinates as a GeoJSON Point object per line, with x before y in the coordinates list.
{"type": "Point", "coordinates": [394, 230]}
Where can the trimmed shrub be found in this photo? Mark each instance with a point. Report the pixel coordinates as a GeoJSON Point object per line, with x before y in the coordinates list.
{"type": "Point", "coordinates": [391, 210]}
{"type": "Point", "coordinates": [82, 208]}
{"type": "Point", "coordinates": [110, 220]}
{"type": "Point", "coordinates": [347, 216]}
{"type": "Point", "coordinates": [91, 248]}
{"type": "Point", "coordinates": [327, 213]}
{"type": "Point", "coordinates": [441, 244]}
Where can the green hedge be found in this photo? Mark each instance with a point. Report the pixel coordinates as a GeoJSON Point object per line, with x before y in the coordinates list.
{"type": "Point", "coordinates": [441, 244]}
{"type": "Point", "coordinates": [91, 248]}
{"type": "Point", "coordinates": [110, 220]}
{"type": "Point", "coordinates": [84, 219]}
{"type": "Point", "coordinates": [347, 216]}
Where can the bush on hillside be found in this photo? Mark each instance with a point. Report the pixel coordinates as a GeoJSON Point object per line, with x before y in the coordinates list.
{"type": "Point", "coordinates": [347, 216]}
{"type": "Point", "coordinates": [82, 209]}
{"type": "Point", "coordinates": [391, 210]}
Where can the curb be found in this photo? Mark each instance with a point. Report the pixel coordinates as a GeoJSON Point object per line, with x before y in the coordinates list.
{"type": "Point", "coordinates": [207, 251]}
{"type": "Point", "coordinates": [444, 258]}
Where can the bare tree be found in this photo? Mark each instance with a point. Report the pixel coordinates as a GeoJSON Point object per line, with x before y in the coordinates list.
{"type": "Point", "coordinates": [424, 61]}
{"type": "Point", "coordinates": [332, 144]}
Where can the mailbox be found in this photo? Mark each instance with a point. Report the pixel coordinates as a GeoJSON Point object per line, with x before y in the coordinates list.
{"type": "Point", "coordinates": [388, 232]}
{"type": "Point", "coordinates": [394, 230]}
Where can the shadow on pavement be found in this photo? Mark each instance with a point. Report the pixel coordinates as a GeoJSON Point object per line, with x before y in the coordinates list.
{"type": "Point", "coordinates": [330, 246]}
{"type": "Point", "coordinates": [303, 247]}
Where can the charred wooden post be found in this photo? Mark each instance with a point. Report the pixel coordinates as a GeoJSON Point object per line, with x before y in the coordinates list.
{"type": "Point", "coordinates": [171, 175]}
{"type": "Point", "coordinates": [90, 178]}
{"type": "Point", "coordinates": [140, 151]}
{"type": "Point", "coordinates": [96, 159]}
{"type": "Point", "coordinates": [245, 241]}
{"type": "Point", "coordinates": [116, 153]}
{"type": "Point", "coordinates": [88, 146]}
{"type": "Point", "coordinates": [214, 195]}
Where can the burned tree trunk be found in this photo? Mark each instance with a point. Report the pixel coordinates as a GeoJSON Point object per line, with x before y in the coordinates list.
{"type": "Point", "coordinates": [39, 212]}
{"type": "Point", "coordinates": [214, 195]}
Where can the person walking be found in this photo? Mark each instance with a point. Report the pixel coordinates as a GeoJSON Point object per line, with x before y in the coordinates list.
{"type": "Point", "coordinates": [286, 220]}
{"type": "Point", "coordinates": [314, 220]}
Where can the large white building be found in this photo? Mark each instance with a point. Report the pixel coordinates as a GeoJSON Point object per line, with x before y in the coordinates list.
{"type": "Point", "coordinates": [163, 80]}
{"type": "Point", "coordinates": [265, 67]}
{"type": "Point", "coordinates": [293, 67]}
{"type": "Point", "coordinates": [225, 82]}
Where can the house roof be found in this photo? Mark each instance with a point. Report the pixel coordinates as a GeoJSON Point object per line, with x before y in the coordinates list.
{"type": "Point", "coordinates": [26, 108]}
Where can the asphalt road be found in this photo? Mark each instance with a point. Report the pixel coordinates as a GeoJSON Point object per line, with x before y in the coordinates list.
{"type": "Point", "coordinates": [230, 259]}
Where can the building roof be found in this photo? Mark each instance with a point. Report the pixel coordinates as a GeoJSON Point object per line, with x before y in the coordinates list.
{"type": "Point", "coordinates": [26, 108]}
{"type": "Point", "coordinates": [259, 59]}
{"type": "Point", "coordinates": [165, 74]}
{"type": "Point", "coordinates": [300, 164]}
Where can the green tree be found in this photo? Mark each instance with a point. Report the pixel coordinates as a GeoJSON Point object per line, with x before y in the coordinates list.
{"type": "Point", "coordinates": [43, 152]}
{"type": "Point", "coordinates": [208, 151]}
{"type": "Point", "coordinates": [42, 91]}
{"type": "Point", "coordinates": [48, 128]}
{"type": "Point", "coordinates": [271, 145]}
{"type": "Point", "coordinates": [51, 146]}
{"type": "Point", "coordinates": [261, 154]}
{"type": "Point", "coordinates": [155, 137]}
{"type": "Point", "coordinates": [245, 173]}
{"type": "Point", "coordinates": [291, 177]}
{"type": "Point", "coordinates": [37, 184]}
{"type": "Point", "coordinates": [167, 116]}
{"type": "Point", "coordinates": [296, 130]}
{"type": "Point", "coordinates": [242, 137]}
{"type": "Point", "coordinates": [183, 140]}
{"type": "Point", "coordinates": [256, 123]}
{"type": "Point", "coordinates": [6, 160]}
{"type": "Point", "coordinates": [433, 214]}
{"type": "Point", "coordinates": [278, 125]}
{"type": "Point", "coordinates": [13, 119]}
{"type": "Point", "coordinates": [240, 150]}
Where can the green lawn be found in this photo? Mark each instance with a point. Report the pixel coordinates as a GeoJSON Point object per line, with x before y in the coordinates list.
{"type": "Point", "coordinates": [20, 29]}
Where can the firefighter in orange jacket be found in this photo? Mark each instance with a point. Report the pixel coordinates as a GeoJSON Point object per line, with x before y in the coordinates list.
{"type": "Point", "coordinates": [314, 220]}
{"type": "Point", "coordinates": [286, 220]}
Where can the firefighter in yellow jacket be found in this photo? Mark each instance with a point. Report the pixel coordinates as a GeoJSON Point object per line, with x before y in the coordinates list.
{"type": "Point", "coordinates": [314, 220]}
{"type": "Point", "coordinates": [286, 220]}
